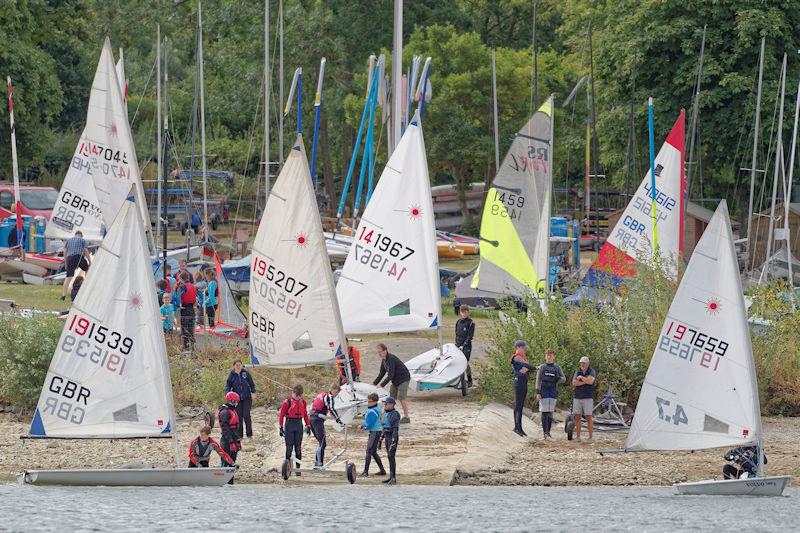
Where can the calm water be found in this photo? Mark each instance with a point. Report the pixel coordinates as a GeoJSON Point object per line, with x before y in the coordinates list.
{"type": "Point", "coordinates": [368, 508]}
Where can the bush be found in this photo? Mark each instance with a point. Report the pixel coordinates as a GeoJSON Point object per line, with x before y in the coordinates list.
{"type": "Point", "coordinates": [26, 348]}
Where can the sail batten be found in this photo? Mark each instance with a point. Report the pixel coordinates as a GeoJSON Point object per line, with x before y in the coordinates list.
{"type": "Point", "coordinates": [700, 391]}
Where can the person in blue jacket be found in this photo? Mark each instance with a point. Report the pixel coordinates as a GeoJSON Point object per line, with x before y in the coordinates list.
{"type": "Point", "coordinates": [372, 423]}
{"type": "Point", "coordinates": [241, 382]}
{"type": "Point", "coordinates": [391, 436]}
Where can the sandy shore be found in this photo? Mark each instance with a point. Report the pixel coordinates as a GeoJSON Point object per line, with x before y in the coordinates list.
{"type": "Point", "coordinates": [450, 440]}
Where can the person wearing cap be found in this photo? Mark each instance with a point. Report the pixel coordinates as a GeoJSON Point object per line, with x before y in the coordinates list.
{"type": "Point", "coordinates": [521, 369]}
{"type": "Point", "coordinates": [391, 436]}
{"type": "Point", "coordinates": [583, 399]}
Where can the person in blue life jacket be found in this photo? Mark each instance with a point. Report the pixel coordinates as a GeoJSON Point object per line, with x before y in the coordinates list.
{"type": "Point", "coordinates": [391, 436]}
{"type": "Point", "coordinates": [548, 376]}
{"type": "Point", "coordinates": [583, 399]}
{"type": "Point", "coordinates": [521, 369]}
{"type": "Point", "coordinates": [372, 423]}
{"type": "Point", "coordinates": [241, 382]}
{"type": "Point", "coordinates": [746, 460]}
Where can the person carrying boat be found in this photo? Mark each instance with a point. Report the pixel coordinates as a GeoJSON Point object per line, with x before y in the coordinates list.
{"type": "Point", "coordinates": [583, 398]}
{"type": "Point", "coordinates": [320, 408]}
{"type": "Point", "coordinates": [201, 447]}
{"type": "Point", "coordinates": [290, 419]}
{"type": "Point", "coordinates": [465, 330]}
{"type": "Point", "coordinates": [354, 356]}
{"type": "Point", "coordinates": [391, 436]}
{"type": "Point", "coordinates": [230, 441]}
{"type": "Point", "coordinates": [241, 382]}
{"type": "Point", "coordinates": [372, 423]}
{"type": "Point", "coordinates": [521, 369]}
{"type": "Point", "coordinates": [395, 371]}
{"type": "Point", "coordinates": [746, 460]}
{"type": "Point", "coordinates": [548, 376]}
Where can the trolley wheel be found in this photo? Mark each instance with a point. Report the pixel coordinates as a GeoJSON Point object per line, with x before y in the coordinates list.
{"type": "Point", "coordinates": [350, 470]}
{"type": "Point", "coordinates": [464, 384]}
{"type": "Point", "coordinates": [286, 469]}
{"type": "Point", "coordinates": [569, 425]}
{"type": "Point", "coordinates": [208, 418]}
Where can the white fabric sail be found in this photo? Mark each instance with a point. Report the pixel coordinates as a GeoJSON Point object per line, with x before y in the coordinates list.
{"type": "Point", "coordinates": [104, 165]}
{"type": "Point", "coordinates": [294, 316]}
{"type": "Point", "coordinates": [109, 376]}
{"type": "Point", "coordinates": [700, 390]}
{"type": "Point", "coordinates": [390, 280]}
{"type": "Point", "coordinates": [123, 80]}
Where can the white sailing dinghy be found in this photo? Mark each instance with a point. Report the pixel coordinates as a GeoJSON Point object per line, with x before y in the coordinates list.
{"type": "Point", "coordinates": [104, 165]}
{"type": "Point", "coordinates": [390, 281]}
{"type": "Point", "coordinates": [515, 225]}
{"type": "Point", "coordinates": [700, 390]}
{"type": "Point", "coordinates": [109, 377]}
{"type": "Point", "coordinates": [294, 314]}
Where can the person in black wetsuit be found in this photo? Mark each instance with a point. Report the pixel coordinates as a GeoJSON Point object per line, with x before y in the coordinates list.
{"type": "Point", "coordinates": [548, 376]}
{"type": "Point", "coordinates": [521, 369]}
{"type": "Point", "coordinates": [230, 441]}
{"type": "Point", "coordinates": [291, 416]}
{"type": "Point", "coordinates": [391, 436]}
{"type": "Point", "coordinates": [746, 460]}
{"type": "Point", "coordinates": [465, 330]}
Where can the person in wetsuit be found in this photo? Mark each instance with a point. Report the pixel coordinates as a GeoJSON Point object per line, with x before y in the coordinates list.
{"type": "Point", "coordinates": [201, 447]}
{"type": "Point", "coordinates": [391, 436]}
{"type": "Point", "coordinates": [746, 460]}
{"type": "Point", "coordinates": [230, 441]}
{"type": "Point", "coordinates": [323, 405]}
{"type": "Point", "coordinates": [291, 416]}
{"type": "Point", "coordinates": [521, 369]}
{"type": "Point", "coordinates": [465, 330]}
{"type": "Point", "coordinates": [548, 376]}
{"type": "Point", "coordinates": [372, 423]}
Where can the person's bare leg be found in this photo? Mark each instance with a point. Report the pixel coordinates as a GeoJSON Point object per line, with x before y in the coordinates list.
{"type": "Point", "coordinates": [577, 426]}
{"type": "Point", "coordinates": [404, 405]}
{"type": "Point", "coordinates": [65, 286]}
{"type": "Point", "coordinates": [589, 425]}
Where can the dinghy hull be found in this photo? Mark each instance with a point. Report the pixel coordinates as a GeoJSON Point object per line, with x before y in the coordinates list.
{"type": "Point", "coordinates": [133, 477]}
{"type": "Point", "coordinates": [757, 486]}
{"type": "Point", "coordinates": [430, 371]}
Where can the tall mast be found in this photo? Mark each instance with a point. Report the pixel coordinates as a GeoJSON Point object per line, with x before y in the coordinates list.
{"type": "Point", "coordinates": [778, 159]}
{"type": "Point", "coordinates": [535, 66]}
{"type": "Point", "coordinates": [280, 81]}
{"type": "Point", "coordinates": [695, 112]}
{"type": "Point", "coordinates": [267, 81]}
{"type": "Point", "coordinates": [165, 156]}
{"type": "Point", "coordinates": [787, 196]}
{"type": "Point", "coordinates": [15, 170]}
{"type": "Point", "coordinates": [754, 160]}
{"type": "Point", "coordinates": [159, 132]}
{"type": "Point", "coordinates": [397, 72]}
{"type": "Point", "coordinates": [202, 121]}
{"type": "Point", "coordinates": [494, 104]}
{"type": "Point", "coordinates": [317, 113]}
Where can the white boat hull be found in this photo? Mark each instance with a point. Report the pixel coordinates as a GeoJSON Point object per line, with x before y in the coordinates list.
{"type": "Point", "coordinates": [124, 477]}
{"type": "Point", "coordinates": [352, 400]}
{"type": "Point", "coordinates": [431, 370]}
{"type": "Point", "coordinates": [756, 486]}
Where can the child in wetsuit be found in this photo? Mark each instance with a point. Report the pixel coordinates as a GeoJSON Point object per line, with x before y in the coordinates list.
{"type": "Point", "coordinates": [290, 418]}
{"type": "Point", "coordinates": [372, 423]}
{"type": "Point", "coordinates": [201, 447]}
{"type": "Point", "coordinates": [391, 436]}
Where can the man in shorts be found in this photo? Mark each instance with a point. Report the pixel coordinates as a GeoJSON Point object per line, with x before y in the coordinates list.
{"type": "Point", "coordinates": [76, 255]}
{"type": "Point", "coordinates": [583, 399]}
{"type": "Point", "coordinates": [395, 371]}
{"type": "Point", "coordinates": [548, 377]}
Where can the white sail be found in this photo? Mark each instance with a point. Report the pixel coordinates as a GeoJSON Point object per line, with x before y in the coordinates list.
{"type": "Point", "coordinates": [700, 391]}
{"type": "Point", "coordinates": [390, 281]}
{"type": "Point", "coordinates": [104, 165]}
{"type": "Point", "coordinates": [109, 376]}
{"type": "Point", "coordinates": [123, 80]}
{"type": "Point", "coordinates": [294, 316]}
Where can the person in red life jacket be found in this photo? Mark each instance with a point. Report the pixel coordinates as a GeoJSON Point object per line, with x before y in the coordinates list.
{"type": "Point", "coordinates": [354, 356]}
{"type": "Point", "coordinates": [294, 411]}
{"type": "Point", "coordinates": [188, 305]}
{"type": "Point", "coordinates": [521, 369]}
{"type": "Point", "coordinates": [229, 425]}
{"type": "Point", "coordinates": [320, 408]}
{"type": "Point", "coordinates": [201, 447]}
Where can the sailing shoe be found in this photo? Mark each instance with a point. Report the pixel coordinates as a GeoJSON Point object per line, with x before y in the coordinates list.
{"type": "Point", "coordinates": [520, 433]}
{"type": "Point", "coordinates": [405, 420]}
{"type": "Point", "coordinates": [381, 473]}
{"type": "Point", "coordinates": [364, 474]}
{"type": "Point", "coordinates": [386, 481]}
{"type": "Point", "coordinates": [590, 440]}
{"type": "Point", "coordinates": [578, 438]}
{"type": "Point", "coordinates": [391, 481]}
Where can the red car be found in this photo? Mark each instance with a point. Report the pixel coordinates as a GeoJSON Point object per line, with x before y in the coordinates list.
{"type": "Point", "coordinates": [36, 201]}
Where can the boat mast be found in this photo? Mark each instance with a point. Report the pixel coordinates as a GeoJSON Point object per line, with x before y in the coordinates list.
{"type": "Point", "coordinates": [778, 159]}
{"type": "Point", "coordinates": [787, 196]}
{"type": "Point", "coordinates": [754, 160]}
{"type": "Point", "coordinates": [280, 81]}
{"type": "Point", "coordinates": [317, 113]}
{"type": "Point", "coordinates": [267, 81]}
{"type": "Point", "coordinates": [653, 193]}
{"type": "Point", "coordinates": [202, 121]}
{"type": "Point", "coordinates": [165, 157]}
{"type": "Point", "coordinates": [695, 113]}
{"type": "Point", "coordinates": [15, 171]}
{"type": "Point", "coordinates": [535, 66]}
{"type": "Point", "coordinates": [397, 74]}
{"type": "Point", "coordinates": [159, 169]}
{"type": "Point", "coordinates": [494, 107]}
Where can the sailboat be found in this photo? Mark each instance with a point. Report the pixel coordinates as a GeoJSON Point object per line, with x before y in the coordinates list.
{"type": "Point", "coordinates": [104, 165]}
{"type": "Point", "coordinates": [515, 225]}
{"type": "Point", "coordinates": [390, 280]}
{"type": "Point", "coordinates": [700, 390]}
{"type": "Point", "coordinates": [229, 322]}
{"type": "Point", "coordinates": [109, 377]}
{"type": "Point", "coordinates": [631, 240]}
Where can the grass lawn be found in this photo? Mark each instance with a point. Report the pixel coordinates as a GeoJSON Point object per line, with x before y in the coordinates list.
{"type": "Point", "coordinates": [43, 297]}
